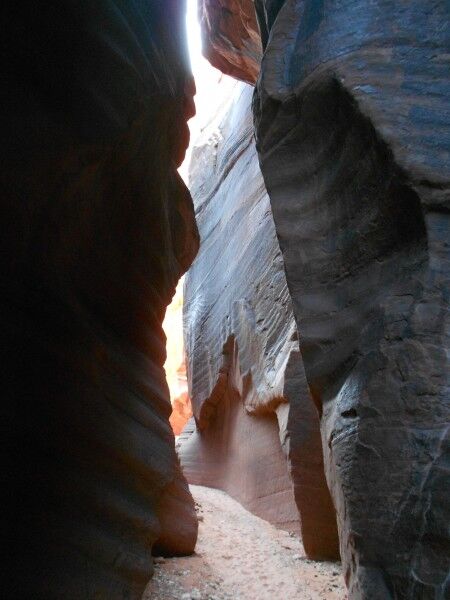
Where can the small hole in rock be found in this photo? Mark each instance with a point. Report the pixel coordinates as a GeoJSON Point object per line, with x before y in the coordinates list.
{"type": "Point", "coordinates": [349, 414]}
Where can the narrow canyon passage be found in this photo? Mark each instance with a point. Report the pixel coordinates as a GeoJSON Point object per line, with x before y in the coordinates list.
{"type": "Point", "coordinates": [307, 207]}
{"type": "Point", "coordinates": [241, 557]}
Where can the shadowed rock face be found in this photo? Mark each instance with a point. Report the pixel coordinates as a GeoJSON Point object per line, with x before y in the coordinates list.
{"type": "Point", "coordinates": [230, 37]}
{"type": "Point", "coordinates": [300, 435]}
{"type": "Point", "coordinates": [98, 227]}
{"type": "Point", "coordinates": [241, 344]}
{"type": "Point", "coordinates": [353, 136]}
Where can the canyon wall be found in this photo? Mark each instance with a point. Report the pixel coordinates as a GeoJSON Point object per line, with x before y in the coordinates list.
{"type": "Point", "coordinates": [353, 134]}
{"type": "Point", "coordinates": [175, 365]}
{"type": "Point", "coordinates": [244, 370]}
{"type": "Point", "coordinates": [230, 37]}
{"type": "Point", "coordinates": [97, 229]}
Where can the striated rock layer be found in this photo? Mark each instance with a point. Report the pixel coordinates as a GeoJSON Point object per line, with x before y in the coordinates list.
{"type": "Point", "coordinates": [230, 37]}
{"type": "Point", "coordinates": [97, 229]}
{"type": "Point", "coordinates": [353, 134]}
{"type": "Point", "coordinates": [244, 369]}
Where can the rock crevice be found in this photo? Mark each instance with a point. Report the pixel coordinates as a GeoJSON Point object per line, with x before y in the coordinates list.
{"type": "Point", "coordinates": [242, 346]}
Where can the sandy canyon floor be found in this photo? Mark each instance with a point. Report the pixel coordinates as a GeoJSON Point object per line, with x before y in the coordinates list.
{"type": "Point", "coordinates": [242, 557]}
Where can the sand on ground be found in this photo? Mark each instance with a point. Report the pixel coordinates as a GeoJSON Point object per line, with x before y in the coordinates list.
{"type": "Point", "coordinates": [241, 557]}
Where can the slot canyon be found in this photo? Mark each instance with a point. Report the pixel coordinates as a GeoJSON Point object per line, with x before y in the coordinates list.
{"type": "Point", "coordinates": [311, 407]}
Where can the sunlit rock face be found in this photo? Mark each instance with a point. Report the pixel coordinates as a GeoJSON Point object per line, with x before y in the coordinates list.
{"type": "Point", "coordinates": [181, 412]}
{"type": "Point", "coordinates": [175, 365]}
{"type": "Point", "coordinates": [97, 229]}
{"type": "Point", "coordinates": [352, 127]}
{"type": "Point", "coordinates": [245, 374]}
{"type": "Point", "coordinates": [230, 37]}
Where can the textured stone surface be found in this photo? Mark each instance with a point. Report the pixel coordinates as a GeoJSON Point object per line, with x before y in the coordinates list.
{"type": "Point", "coordinates": [175, 365]}
{"type": "Point", "coordinates": [240, 338]}
{"type": "Point", "coordinates": [353, 133]}
{"type": "Point", "coordinates": [97, 229]}
{"type": "Point", "coordinates": [230, 37]}
{"type": "Point", "coordinates": [181, 412]}
{"type": "Point", "coordinates": [236, 339]}
{"type": "Point", "coordinates": [229, 290]}
{"type": "Point", "coordinates": [241, 454]}
{"type": "Point", "coordinates": [300, 435]}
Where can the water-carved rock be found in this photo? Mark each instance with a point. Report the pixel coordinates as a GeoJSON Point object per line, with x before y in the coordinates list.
{"type": "Point", "coordinates": [353, 136]}
{"type": "Point", "coordinates": [230, 37]}
{"type": "Point", "coordinates": [97, 229]}
{"type": "Point", "coordinates": [245, 373]}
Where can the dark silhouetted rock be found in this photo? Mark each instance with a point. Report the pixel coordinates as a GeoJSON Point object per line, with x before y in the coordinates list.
{"type": "Point", "coordinates": [352, 127]}
{"type": "Point", "coordinates": [97, 229]}
{"type": "Point", "coordinates": [230, 37]}
{"type": "Point", "coordinates": [241, 344]}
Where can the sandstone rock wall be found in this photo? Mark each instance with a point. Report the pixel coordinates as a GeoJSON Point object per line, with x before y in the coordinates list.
{"type": "Point", "coordinates": [181, 412]}
{"type": "Point", "coordinates": [97, 229]}
{"type": "Point", "coordinates": [300, 435]}
{"type": "Point", "coordinates": [175, 365]}
{"type": "Point", "coordinates": [352, 126]}
{"type": "Point", "coordinates": [240, 338]}
{"type": "Point", "coordinates": [230, 37]}
{"type": "Point", "coordinates": [236, 340]}
{"type": "Point", "coordinates": [353, 134]}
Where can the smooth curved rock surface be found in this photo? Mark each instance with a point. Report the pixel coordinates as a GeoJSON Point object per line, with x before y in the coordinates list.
{"type": "Point", "coordinates": [230, 37]}
{"type": "Point", "coordinates": [97, 229]}
{"type": "Point", "coordinates": [242, 455]}
{"type": "Point", "coordinates": [236, 286]}
{"type": "Point", "coordinates": [240, 337]}
{"type": "Point", "coordinates": [299, 425]}
{"type": "Point", "coordinates": [353, 134]}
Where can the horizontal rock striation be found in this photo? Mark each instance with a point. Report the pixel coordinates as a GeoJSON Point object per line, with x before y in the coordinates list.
{"type": "Point", "coordinates": [98, 228]}
{"type": "Point", "coordinates": [245, 297]}
{"type": "Point", "coordinates": [353, 127]}
{"type": "Point", "coordinates": [240, 337]}
{"type": "Point", "coordinates": [230, 37]}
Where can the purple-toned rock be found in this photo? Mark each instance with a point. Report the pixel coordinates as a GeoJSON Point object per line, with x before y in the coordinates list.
{"type": "Point", "coordinates": [353, 135]}
{"type": "Point", "coordinates": [245, 374]}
